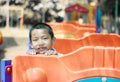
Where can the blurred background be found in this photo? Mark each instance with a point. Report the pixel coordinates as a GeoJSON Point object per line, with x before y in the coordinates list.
{"type": "Point", "coordinates": [24, 13]}
{"type": "Point", "coordinates": [17, 16]}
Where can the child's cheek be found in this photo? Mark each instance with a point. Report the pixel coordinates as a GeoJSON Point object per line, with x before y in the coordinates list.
{"type": "Point", "coordinates": [35, 44]}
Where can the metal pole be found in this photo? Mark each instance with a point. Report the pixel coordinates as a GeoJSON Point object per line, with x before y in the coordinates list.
{"type": "Point", "coordinates": [7, 16]}
{"type": "Point", "coordinates": [116, 14]}
{"type": "Point", "coordinates": [43, 11]}
{"type": "Point", "coordinates": [43, 15]}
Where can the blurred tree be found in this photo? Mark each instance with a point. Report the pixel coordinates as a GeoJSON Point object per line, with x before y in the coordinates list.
{"type": "Point", "coordinates": [111, 8]}
{"type": "Point", "coordinates": [108, 6]}
{"type": "Point", "coordinates": [16, 2]}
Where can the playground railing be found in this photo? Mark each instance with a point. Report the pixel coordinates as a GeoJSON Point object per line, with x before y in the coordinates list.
{"type": "Point", "coordinates": [66, 46]}
{"type": "Point", "coordinates": [85, 62]}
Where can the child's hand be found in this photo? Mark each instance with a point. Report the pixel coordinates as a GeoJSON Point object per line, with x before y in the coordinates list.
{"type": "Point", "coordinates": [31, 52]}
{"type": "Point", "coordinates": [50, 52]}
{"type": "Point", "coordinates": [47, 52]}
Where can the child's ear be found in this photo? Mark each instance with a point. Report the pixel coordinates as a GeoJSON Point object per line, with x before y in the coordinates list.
{"type": "Point", "coordinates": [54, 39]}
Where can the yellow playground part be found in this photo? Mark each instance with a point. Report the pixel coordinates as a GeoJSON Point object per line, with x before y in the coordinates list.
{"type": "Point", "coordinates": [1, 38]}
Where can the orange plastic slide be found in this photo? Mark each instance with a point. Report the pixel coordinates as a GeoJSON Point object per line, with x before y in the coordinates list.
{"type": "Point", "coordinates": [85, 62]}
{"type": "Point", "coordinates": [1, 38]}
{"type": "Point", "coordinates": [76, 23]}
{"type": "Point", "coordinates": [68, 45]}
{"type": "Point", "coordinates": [66, 30]}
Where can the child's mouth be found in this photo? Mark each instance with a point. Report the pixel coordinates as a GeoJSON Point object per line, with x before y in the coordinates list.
{"type": "Point", "coordinates": [42, 50]}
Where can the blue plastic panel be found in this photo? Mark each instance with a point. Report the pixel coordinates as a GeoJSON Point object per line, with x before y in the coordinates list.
{"type": "Point", "coordinates": [5, 77]}
{"type": "Point", "coordinates": [99, 79]}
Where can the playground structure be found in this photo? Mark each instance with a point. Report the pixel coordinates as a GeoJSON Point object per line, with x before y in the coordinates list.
{"type": "Point", "coordinates": [68, 68]}
{"type": "Point", "coordinates": [71, 29]}
{"type": "Point", "coordinates": [77, 12]}
{"type": "Point", "coordinates": [66, 46]}
{"type": "Point", "coordinates": [1, 38]}
{"type": "Point", "coordinates": [86, 55]}
{"type": "Point", "coordinates": [100, 50]}
{"type": "Point", "coordinates": [76, 23]}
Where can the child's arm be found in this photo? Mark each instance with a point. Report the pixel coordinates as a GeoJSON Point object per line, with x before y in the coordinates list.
{"type": "Point", "coordinates": [47, 52]}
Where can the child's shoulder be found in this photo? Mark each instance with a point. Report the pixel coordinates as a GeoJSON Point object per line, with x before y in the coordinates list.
{"type": "Point", "coordinates": [58, 54]}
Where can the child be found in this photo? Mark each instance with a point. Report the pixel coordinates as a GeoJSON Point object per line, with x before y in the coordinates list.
{"type": "Point", "coordinates": [41, 40]}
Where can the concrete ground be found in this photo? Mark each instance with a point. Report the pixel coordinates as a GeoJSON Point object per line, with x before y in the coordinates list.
{"type": "Point", "coordinates": [15, 42]}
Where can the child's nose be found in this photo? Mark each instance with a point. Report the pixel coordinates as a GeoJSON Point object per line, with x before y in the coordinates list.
{"type": "Point", "coordinates": [40, 43]}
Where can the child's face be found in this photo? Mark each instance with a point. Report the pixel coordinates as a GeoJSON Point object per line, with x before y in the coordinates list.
{"type": "Point", "coordinates": [41, 40]}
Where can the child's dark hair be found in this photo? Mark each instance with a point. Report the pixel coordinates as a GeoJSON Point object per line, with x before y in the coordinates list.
{"type": "Point", "coordinates": [44, 26]}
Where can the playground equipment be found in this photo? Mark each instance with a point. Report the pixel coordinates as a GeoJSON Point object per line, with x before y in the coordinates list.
{"type": "Point", "coordinates": [1, 38]}
{"type": "Point", "coordinates": [76, 11]}
{"type": "Point", "coordinates": [91, 56]}
{"type": "Point", "coordinates": [101, 61]}
{"type": "Point", "coordinates": [76, 23]}
{"type": "Point", "coordinates": [71, 30]}
{"type": "Point", "coordinates": [66, 46]}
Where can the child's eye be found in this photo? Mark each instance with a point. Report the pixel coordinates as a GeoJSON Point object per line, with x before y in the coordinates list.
{"type": "Point", "coordinates": [45, 38]}
{"type": "Point", "coordinates": [35, 39]}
